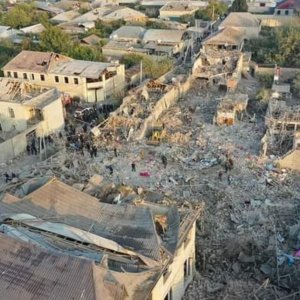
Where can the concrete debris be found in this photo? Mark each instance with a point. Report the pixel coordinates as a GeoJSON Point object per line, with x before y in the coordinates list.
{"type": "Point", "coordinates": [249, 201]}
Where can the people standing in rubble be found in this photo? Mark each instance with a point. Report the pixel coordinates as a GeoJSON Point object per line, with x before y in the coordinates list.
{"type": "Point", "coordinates": [28, 149]}
{"type": "Point", "coordinates": [133, 169]}
{"type": "Point", "coordinates": [115, 152]}
{"type": "Point", "coordinates": [164, 161]}
{"type": "Point", "coordinates": [33, 148]}
{"type": "Point", "coordinates": [94, 149]}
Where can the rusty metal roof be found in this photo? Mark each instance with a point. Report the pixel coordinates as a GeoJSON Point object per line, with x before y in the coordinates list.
{"type": "Point", "coordinates": [130, 226]}
{"type": "Point", "coordinates": [29, 272]}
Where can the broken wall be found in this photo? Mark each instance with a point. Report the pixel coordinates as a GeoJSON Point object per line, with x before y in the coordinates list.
{"type": "Point", "coordinates": [290, 161]}
{"type": "Point", "coordinates": [13, 147]}
{"type": "Point", "coordinates": [167, 100]}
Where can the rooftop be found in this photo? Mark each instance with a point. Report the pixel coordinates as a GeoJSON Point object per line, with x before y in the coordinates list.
{"type": "Point", "coordinates": [30, 272]}
{"type": "Point", "coordinates": [179, 6]}
{"type": "Point", "coordinates": [128, 32]}
{"type": "Point", "coordinates": [80, 68]}
{"type": "Point", "coordinates": [16, 90]}
{"type": "Point", "coordinates": [163, 36]}
{"type": "Point", "coordinates": [240, 19]}
{"type": "Point", "coordinates": [34, 61]}
{"type": "Point", "coordinates": [227, 35]}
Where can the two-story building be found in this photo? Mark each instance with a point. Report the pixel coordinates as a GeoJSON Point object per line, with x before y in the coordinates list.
{"type": "Point", "coordinates": [26, 110]}
{"type": "Point", "coordinates": [89, 81]}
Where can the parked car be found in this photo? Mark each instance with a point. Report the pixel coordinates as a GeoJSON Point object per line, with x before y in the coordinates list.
{"type": "Point", "coordinates": [81, 113]}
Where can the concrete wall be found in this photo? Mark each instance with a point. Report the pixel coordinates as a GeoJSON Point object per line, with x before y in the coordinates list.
{"type": "Point", "coordinates": [290, 161]}
{"type": "Point", "coordinates": [174, 280]}
{"type": "Point", "coordinates": [167, 100]}
{"type": "Point", "coordinates": [53, 116]}
{"type": "Point", "coordinates": [13, 147]}
{"type": "Point", "coordinates": [17, 123]}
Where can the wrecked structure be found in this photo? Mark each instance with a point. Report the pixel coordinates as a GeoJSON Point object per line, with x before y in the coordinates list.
{"type": "Point", "coordinates": [87, 80]}
{"type": "Point", "coordinates": [229, 108]}
{"type": "Point", "coordinates": [221, 60]}
{"type": "Point", "coordinates": [283, 122]}
{"type": "Point", "coordinates": [135, 249]}
{"type": "Point", "coordinates": [26, 111]}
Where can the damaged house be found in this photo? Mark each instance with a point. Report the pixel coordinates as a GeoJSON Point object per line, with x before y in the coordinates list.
{"type": "Point", "coordinates": [229, 108]}
{"type": "Point", "coordinates": [137, 250]}
{"type": "Point", "coordinates": [283, 124]}
{"type": "Point", "coordinates": [221, 60]}
{"type": "Point", "coordinates": [87, 80]}
{"type": "Point", "coordinates": [26, 111]}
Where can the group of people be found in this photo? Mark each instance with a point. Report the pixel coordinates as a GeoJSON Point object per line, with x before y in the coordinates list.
{"type": "Point", "coordinates": [36, 145]}
{"type": "Point", "coordinates": [8, 177]}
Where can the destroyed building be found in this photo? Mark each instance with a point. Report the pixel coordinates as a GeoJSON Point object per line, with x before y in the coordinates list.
{"type": "Point", "coordinates": [134, 250]}
{"type": "Point", "coordinates": [90, 81]}
{"type": "Point", "coordinates": [229, 108]}
{"type": "Point", "coordinates": [221, 60]}
{"type": "Point", "coordinates": [26, 111]}
{"type": "Point", "coordinates": [282, 122]}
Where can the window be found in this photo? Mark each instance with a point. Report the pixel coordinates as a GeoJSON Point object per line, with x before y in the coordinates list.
{"type": "Point", "coordinates": [262, 4]}
{"type": "Point", "coordinates": [0, 127]}
{"type": "Point", "coordinates": [286, 12]}
{"type": "Point", "coordinates": [15, 74]}
{"type": "Point", "coordinates": [169, 295]}
{"type": "Point", "coordinates": [8, 74]}
{"type": "Point", "coordinates": [32, 76]}
{"type": "Point", "coordinates": [11, 112]}
{"type": "Point", "coordinates": [42, 77]}
{"type": "Point", "coordinates": [25, 75]}
{"type": "Point", "coordinates": [75, 80]}
{"type": "Point", "coordinates": [66, 80]}
{"type": "Point", "coordinates": [187, 268]}
{"type": "Point", "coordinates": [56, 78]}
{"type": "Point", "coordinates": [278, 12]}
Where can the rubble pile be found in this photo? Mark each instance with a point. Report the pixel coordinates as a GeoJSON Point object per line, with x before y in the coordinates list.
{"type": "Point", "coordinates": [248, 239]}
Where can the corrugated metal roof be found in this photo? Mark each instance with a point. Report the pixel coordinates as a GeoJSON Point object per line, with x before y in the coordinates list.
{"type": "Point", "coordinates": [163, 35]}
{"type": "Point", "coordinates": [87, 69]}
{"type": "Point", "coordinates": [131, 32]}
{"type": "Point", "coordinates": [130, 226]}
{"type": "Point", "coordinates": [28, 272]}
{"type": "Point", "coordinates": [34, 61]}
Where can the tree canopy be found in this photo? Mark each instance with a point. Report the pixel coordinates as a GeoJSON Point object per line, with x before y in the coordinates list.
{"type": "Point", "coordinates": [23, 15]}
{"type": "Point", "coordinates": [213, 11]}
{"type": "Point", "coordinates": [276, 46]}
{"type": "Point", "coordinates": [239, 6]}
{"type": "Point", "coordinates": [151, 67]}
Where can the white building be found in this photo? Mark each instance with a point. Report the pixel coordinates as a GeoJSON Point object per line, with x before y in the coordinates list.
{"type": "Point", "coordinates": [87, 80]}
{"type": "Point", "coordinates": [26, 110]}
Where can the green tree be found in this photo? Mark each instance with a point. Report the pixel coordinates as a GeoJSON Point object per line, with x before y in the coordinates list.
{"type": "Point", "coordinates": [82, 52]}
{"type": "Point", "coordinates": [19, 16]}
{"type": "Point", "coordinates": [239, 6]}
{"type": "Point", "coordinates": [56, 40]}
{"type": "Point", "coordinates": [296, 84]}
{"type": "Point", "coordinates": [212, 12]}
{"type": "Point", "coordinates": [23, 15]}
{"type": "Point", "coordinates": [276, 46]}
{"type": "Point", "coordinates": [151, 67]}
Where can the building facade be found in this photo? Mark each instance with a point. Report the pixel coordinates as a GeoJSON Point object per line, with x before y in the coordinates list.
{"type": "Point", "coordinates": [90, 81]}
